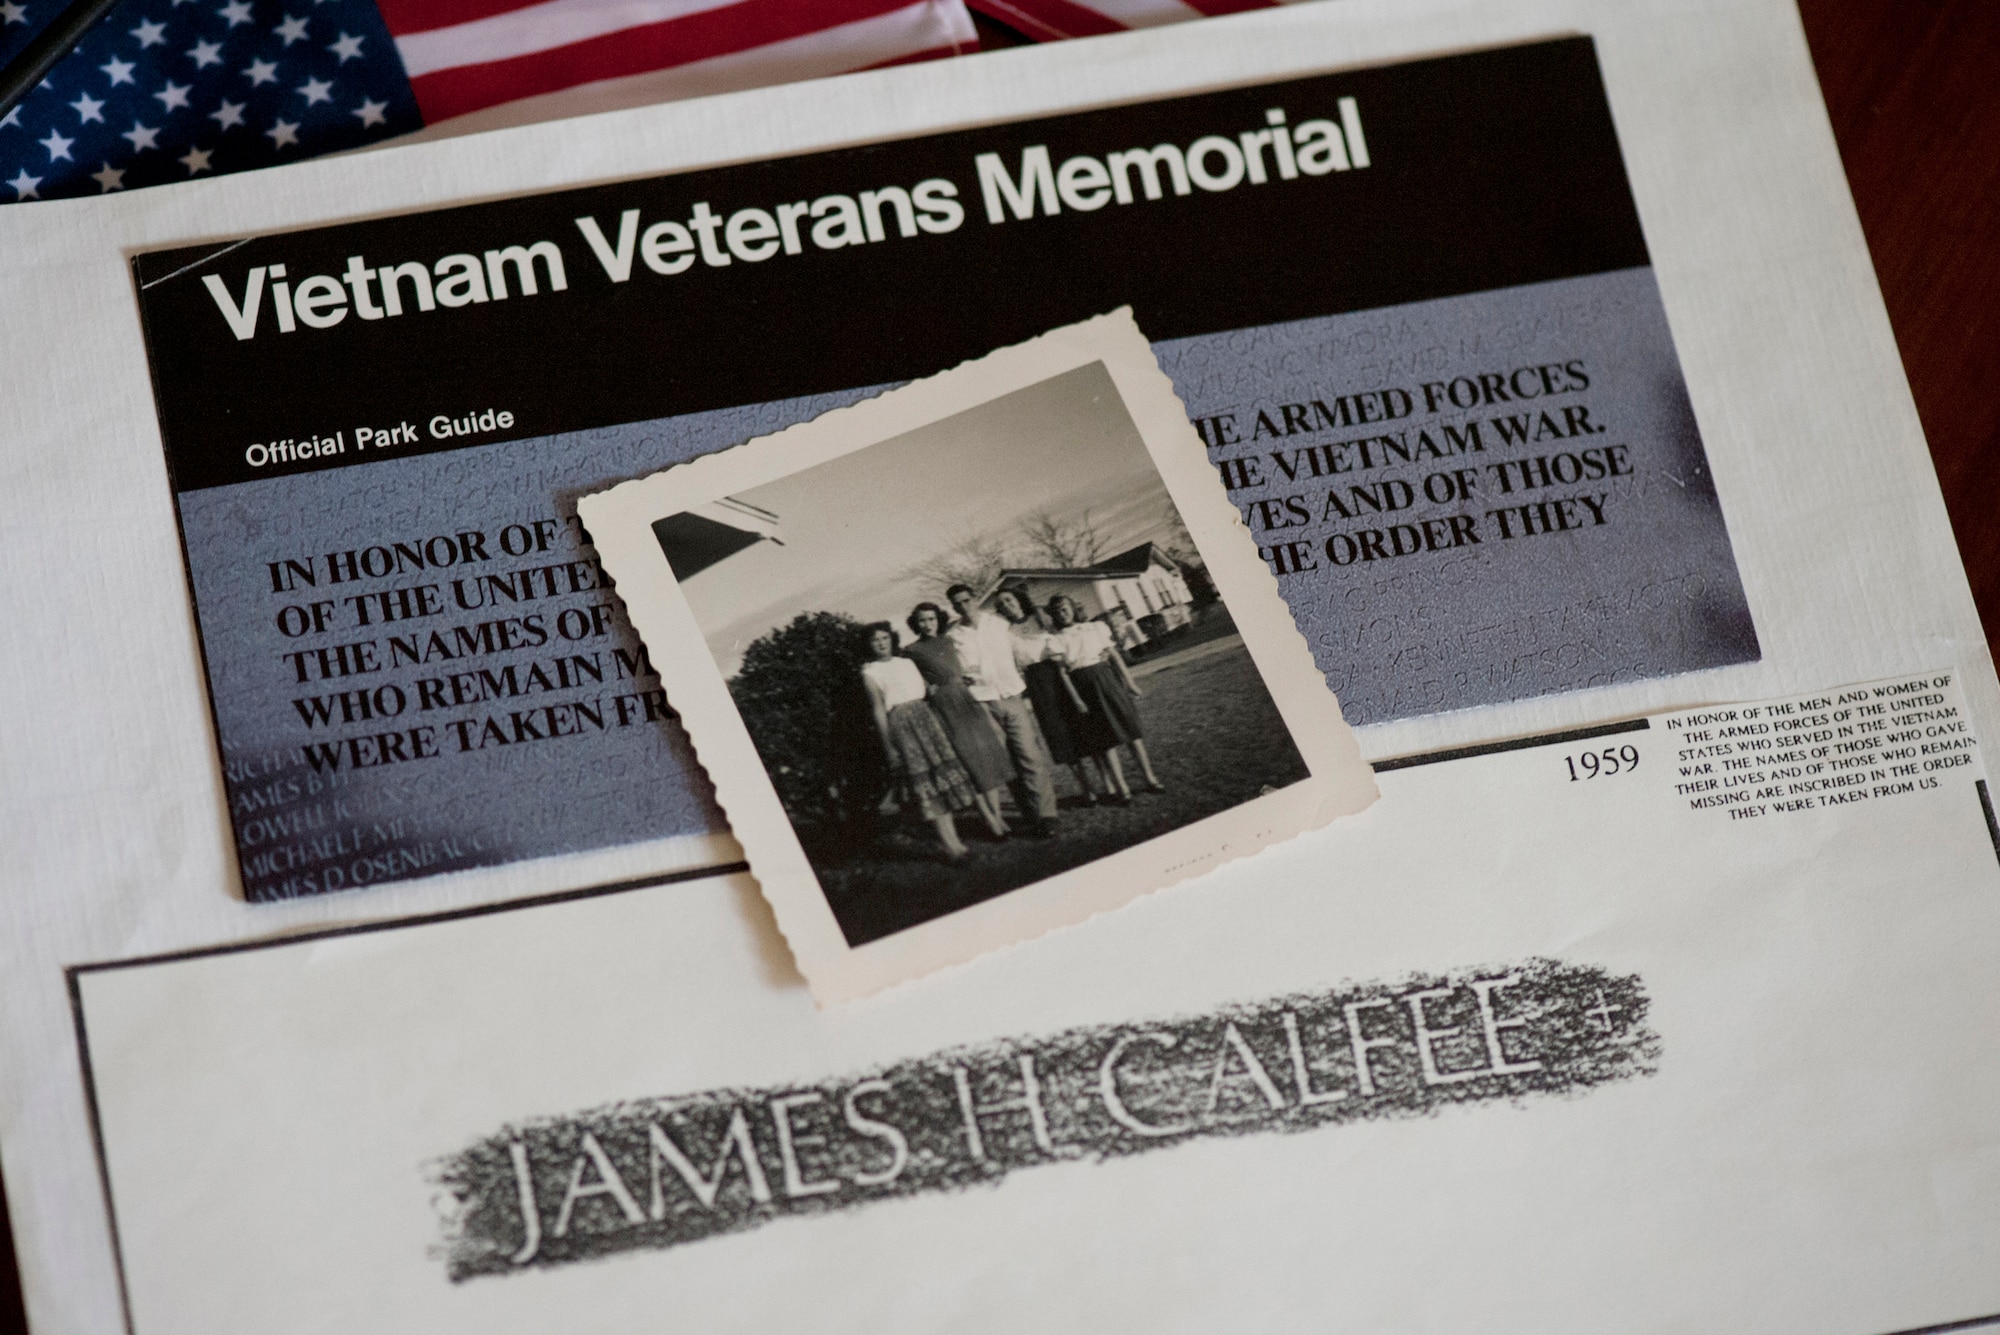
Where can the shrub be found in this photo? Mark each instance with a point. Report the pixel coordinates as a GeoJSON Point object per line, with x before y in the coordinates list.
{"type": "Point", "coordinates": [800, 693]}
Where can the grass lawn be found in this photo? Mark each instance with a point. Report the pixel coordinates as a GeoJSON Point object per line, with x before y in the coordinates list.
{"type": "Point", "coordinates": [1216, 741]}
{"type": "Point", "coordinates": [1210, 623]}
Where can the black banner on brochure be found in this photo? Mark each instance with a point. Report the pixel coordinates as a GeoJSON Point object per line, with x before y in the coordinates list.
{"type": "Point", "coordinates": [1468, 173]}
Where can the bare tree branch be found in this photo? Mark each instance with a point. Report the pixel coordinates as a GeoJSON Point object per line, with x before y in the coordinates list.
{"type": "Point", "coordinates": [977, 561]}
{"type": "Point", "coordinates": [1068, 543]}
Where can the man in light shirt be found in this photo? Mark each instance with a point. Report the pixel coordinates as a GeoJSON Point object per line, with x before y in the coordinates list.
{"type": "Point", "coordinates": [985, 644]}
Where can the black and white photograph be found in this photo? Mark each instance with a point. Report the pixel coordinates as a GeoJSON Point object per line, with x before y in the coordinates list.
{"type": "Point", "coordinates": [978, 654]}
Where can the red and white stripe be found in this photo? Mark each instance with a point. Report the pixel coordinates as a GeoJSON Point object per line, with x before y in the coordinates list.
{"type": "Point", "coordinates": [533, 60]}
{"type": "Point", "coordinates": [1052, 20]}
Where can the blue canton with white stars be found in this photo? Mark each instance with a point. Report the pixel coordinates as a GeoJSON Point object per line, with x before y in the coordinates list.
{"type": "Point", "coordinates": [167, 90]}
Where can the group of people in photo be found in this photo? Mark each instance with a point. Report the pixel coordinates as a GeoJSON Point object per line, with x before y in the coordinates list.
{"type": "Point", "coordinates": [983, 700]}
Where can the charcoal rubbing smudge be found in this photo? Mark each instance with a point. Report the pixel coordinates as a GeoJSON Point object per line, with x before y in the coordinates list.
{"type": "Point", "coordinates": [662, 1172]}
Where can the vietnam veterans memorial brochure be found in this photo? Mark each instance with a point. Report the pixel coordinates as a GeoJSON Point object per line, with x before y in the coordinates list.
{"type": "Point", "coordinates": [1410, 311]}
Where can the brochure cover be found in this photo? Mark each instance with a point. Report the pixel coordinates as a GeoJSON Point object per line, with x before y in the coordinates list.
{"type": "Point", "coordinates": [1409, 309]}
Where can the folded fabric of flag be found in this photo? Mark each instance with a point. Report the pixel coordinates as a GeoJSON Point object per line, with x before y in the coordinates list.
{"type": "Point", "coordinates": [166, 90]}
{"type": "Point", "coordinates": [1053, 20]}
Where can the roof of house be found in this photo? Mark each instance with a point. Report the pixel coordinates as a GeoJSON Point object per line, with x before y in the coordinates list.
{"type": "Point", "coordinates": [696, 539]}
{"type": "Point", "coordinates": [1050, 572]}
{"type": "Point", "coordinates": [1135, 559]}
{"type": "Point", "coordinates": [1132, 561]}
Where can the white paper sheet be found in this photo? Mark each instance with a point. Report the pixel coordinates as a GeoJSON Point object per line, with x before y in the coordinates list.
{"type": "Point", "coordinates": [117, 842]}
{"type": "Point", "coordinates": [1737, 1078]}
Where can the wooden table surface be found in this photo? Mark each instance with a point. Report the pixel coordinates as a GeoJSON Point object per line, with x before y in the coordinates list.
{"type": "Point", "coordinates": [1913, 87]}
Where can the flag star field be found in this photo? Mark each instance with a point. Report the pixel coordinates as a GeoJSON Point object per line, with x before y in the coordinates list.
{"type": "Point", "coordinates": [165, 90]}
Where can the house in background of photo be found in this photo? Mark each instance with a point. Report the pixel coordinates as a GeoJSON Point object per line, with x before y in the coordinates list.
{"type": "Point", "coordinates": [699, 538]}
{"type": "Point", "coordinates": [1141, 593]}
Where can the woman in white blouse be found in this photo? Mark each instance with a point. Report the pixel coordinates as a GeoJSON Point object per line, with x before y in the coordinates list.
{"type": "Point", "coordinates": [1056, 704]}
{"type": "Point", "coordinates": [919, 752]}
{"type": "Point", "coordinates": [1110, 696]}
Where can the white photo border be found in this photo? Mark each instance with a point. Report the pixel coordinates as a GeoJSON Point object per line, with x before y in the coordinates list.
{"type": "Point", "coordinates": [1340, 782]}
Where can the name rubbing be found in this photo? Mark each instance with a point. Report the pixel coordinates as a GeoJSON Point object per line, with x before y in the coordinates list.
{"type": "Point", "coordinates": [663, 1172]}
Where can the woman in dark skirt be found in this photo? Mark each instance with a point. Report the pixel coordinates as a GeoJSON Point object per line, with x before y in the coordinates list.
{"type": "Point", "coordinates": [971, 729]}
{"type": "Point", "coordinates": [1110, 696]}
{"type": "Point", "coordinates": [1058, 708]}
{"type": "Point", "coordinates": [913, 740]}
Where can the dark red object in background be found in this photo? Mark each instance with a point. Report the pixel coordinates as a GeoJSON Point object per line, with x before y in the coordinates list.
{"type": "Point", "coordinates": [1915, 103]}
{"type": "Point", "coordinates": [1912, 90]}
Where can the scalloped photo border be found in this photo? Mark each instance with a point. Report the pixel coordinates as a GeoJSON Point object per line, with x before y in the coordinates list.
{"type": "Point", "coordinates": [1339, 782]}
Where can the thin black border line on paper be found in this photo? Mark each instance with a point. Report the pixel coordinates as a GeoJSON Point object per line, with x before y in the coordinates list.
{"type": "Point", "coordinates": [1514, 744]}
{"type": "Point", "coordinates": [1970, 1323]}
{"type": "Point", "coordinates": [73, 975]}
{"type": "Point", "coordinates": [1986, 806]}
{"type": "Point", "coordinates": [97, 1146]}
{"type": "Point", "coordinates": [417, 920]}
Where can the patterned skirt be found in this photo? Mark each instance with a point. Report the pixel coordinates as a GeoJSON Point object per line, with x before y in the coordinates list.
{"type": "Point", "coordinates": [926, 762]}
{"type": "Point", "coordinates": [1114, 714]}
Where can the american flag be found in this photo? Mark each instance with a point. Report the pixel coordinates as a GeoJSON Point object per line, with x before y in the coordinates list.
{"type": "Point", "coordinates": [1053, 20]}
{"type": "Point", "coordinates": [166, 90]}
